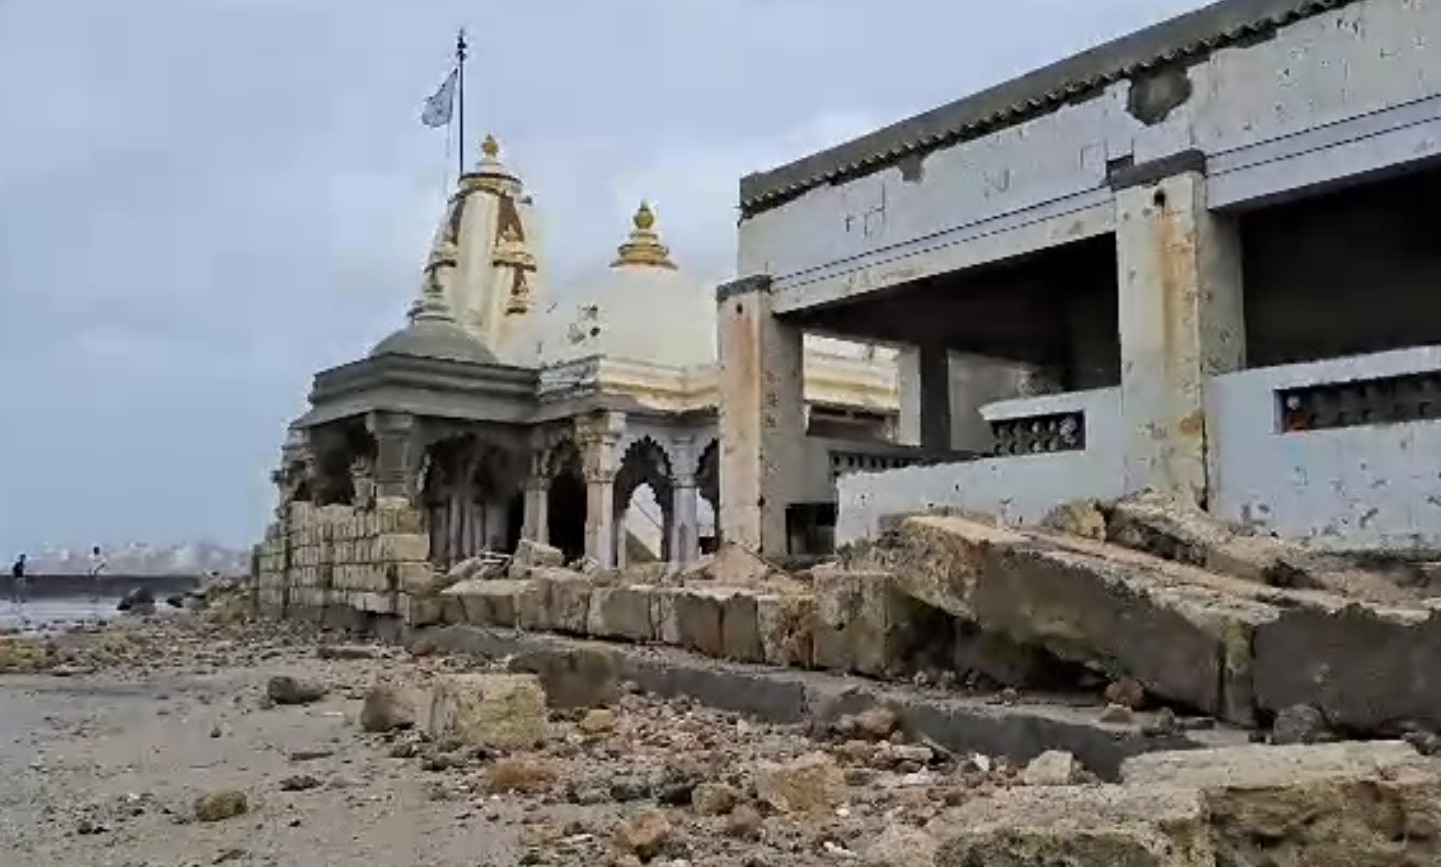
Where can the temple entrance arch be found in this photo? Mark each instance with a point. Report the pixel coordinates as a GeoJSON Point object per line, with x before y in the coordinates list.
{"type": "Point", "coordinates": [566, 500]}
{"type": "Point", "coordinates": [643, 502]}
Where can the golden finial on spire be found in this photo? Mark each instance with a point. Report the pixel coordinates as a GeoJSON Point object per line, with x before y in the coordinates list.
{"type": "Point", "coordinates": [644, 246]}
{"type": "Point", "coordinates": [490, 147]}
{"type": "Point", "coordinates": [644, 217]}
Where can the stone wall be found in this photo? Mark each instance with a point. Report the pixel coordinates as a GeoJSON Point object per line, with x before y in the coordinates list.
{"type": "Point", "coordinates": [365, 560]}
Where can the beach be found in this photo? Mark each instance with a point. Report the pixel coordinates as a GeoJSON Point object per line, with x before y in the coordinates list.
{"type": "Point", "coordinates": [110, 749]}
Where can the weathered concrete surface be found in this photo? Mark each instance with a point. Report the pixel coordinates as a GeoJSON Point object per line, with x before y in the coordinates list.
{"type": "Point", "coordinates": [588, 672]}
{"type": "Point", "coordinates": [1184, 634]}
{"type": "Point", "coordinates": [1326, 805]}
{"type": "Point", "coordinates": [1366, 667]}
{"type": "Point", "coordinates": [1078, 826]}
{"type": "Point", "coordinates": [1174, 530]}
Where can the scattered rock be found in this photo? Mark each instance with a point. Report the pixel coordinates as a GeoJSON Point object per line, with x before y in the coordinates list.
{"type": "Point", "coordinates": [21, 654]}
{"type": "Point", "coordinates": [1300, 724]}
{"type": "Point", "coordinates": [299, 783]}
{"type": "Point", "coordinates": [744, 822]}
{"type": "Point", "coordinates": [1051, 768]}
{"type": "Point", "coordinates": [598, 721]}
{"type": "Point", "coordinates": [644, 835]}
{"type": "Point", "coordinates": [1126, 692]}
{"type": "Point", "coordinates": [138, 601]}
{"type": "Point", "coordinates": [221, 805]}
{"type": "Point", "coordinates": [811, 783]}
{"type": "Point", "coordinates": [901, 846]}
{"type": "Point", "coordinates": [714, 799]}
{"type": "Point", "coordinates": [1118, 714]}
{"type": "Point", "coordinates": [876, 723]}
{"type": "Point", "coordinates": [387, 708]}
{"type": "Point", "coordinates": [530, 554]}
{"type": "Point", "coordinates": [287, 690]}
{"type": "Point", "coordinates": [518, 774]}
{"type": "Point", "coordinates": [1163, 723]}
{"type": "Point", "coordinates": [499, 711]}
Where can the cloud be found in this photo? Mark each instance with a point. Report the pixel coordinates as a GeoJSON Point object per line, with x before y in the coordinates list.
{"type": "Point", "coordinates": [204, 201]}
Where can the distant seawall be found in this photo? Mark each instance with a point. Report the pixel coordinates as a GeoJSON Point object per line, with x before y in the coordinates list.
{"type": "Point", "coordinates": [51, 586]}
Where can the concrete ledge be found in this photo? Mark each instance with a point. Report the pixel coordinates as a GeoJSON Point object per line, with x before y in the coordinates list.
{"type": "Point", "coordinates": [786, 696]}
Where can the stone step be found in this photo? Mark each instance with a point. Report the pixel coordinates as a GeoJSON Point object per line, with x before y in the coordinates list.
{"type": "Point", "coordinates": [963, 724]}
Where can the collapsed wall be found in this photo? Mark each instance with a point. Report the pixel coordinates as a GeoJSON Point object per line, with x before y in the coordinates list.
{"type": "Point", "coordinates": [947, 599]}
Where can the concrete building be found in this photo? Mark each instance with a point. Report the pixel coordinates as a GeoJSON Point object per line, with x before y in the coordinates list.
{"type": "Point", "coordinates": [1217, 239]}
{"type": "Point", "coordinates": [585, 419]}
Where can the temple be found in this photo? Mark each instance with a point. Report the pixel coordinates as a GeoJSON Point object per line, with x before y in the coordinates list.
{"type": "Point", "coordinates": [1214, 241]}
{"type": "Point", "coordinates": [586, 419]}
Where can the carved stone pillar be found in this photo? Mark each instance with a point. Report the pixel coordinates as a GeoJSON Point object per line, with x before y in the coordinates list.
{"type": "Point", "coordinates": [397, 452]}
{"type": "Point", "coordinates": [598, 437]}
{"type": "Point", "coordinates": [685, 524]}
{"type": "Point", "coordinates": [600, 516]}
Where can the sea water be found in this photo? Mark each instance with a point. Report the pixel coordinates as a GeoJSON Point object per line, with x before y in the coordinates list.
{"type": "Point", "coordinates": [55, 612]}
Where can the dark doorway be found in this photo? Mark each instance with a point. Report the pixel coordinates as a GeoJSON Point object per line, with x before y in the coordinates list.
{"type": "Point", "coordinates": [565, 513]}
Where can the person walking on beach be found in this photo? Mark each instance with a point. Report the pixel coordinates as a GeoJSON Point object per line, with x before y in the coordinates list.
{"type": "Point", "coordinates": [97, 568]}
{"type": "Point", "coordinates": [17, 577]}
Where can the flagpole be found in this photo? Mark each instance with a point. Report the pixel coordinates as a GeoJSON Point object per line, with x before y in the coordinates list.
{"type": "Point", "coordinates": [460, 47]}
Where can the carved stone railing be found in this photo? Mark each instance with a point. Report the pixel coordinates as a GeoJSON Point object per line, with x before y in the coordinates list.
{"type": "Point", "coordinates": [842, 462]}
{"type": "Point", "coordinates": [1394, 399]}
{"type": "Point", "coordinates": [1040, 434]}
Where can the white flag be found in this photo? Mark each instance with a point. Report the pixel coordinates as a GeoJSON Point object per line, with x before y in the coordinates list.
{"type": "Point", "coordinates": [441, 104]}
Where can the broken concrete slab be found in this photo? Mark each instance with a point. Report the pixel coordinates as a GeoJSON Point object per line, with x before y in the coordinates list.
{"type": "Point", "coordinates": [1079, 826]}
{"type": "Point", "coordinates": [530, 554]}
{"type": "Point", "coordinates": [563, 600]}
{"type": "Point", "coordinates": [571, 676]}
{"type": "Point", "coordinates": [497, 711]}
{"type": "Point", "coordinates": [1183, 533]}
{"type": "Point", "coordinates": [1367, 668]}
{"type": "Point", "coordinates": [730, 565]}
{"type": "Point", "coordinates": [1323, 805]}
{"type": "Point", "coordinates": [698, 618]}
{"type": "Point", "coordinates": [740, 628]}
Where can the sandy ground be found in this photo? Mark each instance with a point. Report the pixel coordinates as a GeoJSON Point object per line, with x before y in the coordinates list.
{"type": "Point", "coordinates": [104, 768]}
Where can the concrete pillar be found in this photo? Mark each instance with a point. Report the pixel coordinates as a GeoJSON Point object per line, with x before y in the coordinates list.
{"type": "Point", "coordinates": [1181, 322]}
{"type": "Point", "coordinates": [935, 387]}
{"type": "Point", "coordinates": [685, 522]}
{"type": "Point", "coordinates": [397, 452]}
{"type": "Point", "coordinates": [908, 384]}
{"type": "Point", "coordinates": [762, 416]}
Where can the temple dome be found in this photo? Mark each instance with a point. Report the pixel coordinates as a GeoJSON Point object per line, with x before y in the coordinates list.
{"type": "Point", "coordinates": [641, 308]}
{"type": "Point", "coordinates": [434, 333]}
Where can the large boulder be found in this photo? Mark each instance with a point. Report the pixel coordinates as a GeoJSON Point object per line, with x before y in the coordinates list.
{"type": "Point", "coordinates": [496, 711]}
{"type": "Point", "coordinates": [1324, 805]}
{"type": "Point", "coordinates": [572, 677]}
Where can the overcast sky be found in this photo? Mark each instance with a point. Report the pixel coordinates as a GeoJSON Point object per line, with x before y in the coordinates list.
{"type": "Point", "coordinates": [204, 201]}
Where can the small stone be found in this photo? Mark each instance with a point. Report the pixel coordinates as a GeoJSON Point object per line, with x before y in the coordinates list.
{"type": "Point", "coordinates": [598, 721]}
{"type": "Point", "coordinates": [714, 799]}
{"type": "Point", "coordinates": [287, 690]}
{"type": "Point", "coordinates": [387, 708]}
{"type": "Point", "coordinates": [299, 783]}
{"type": "Point", "coordinates": [810, 783]}
{"type": "Point", "coordinates": [1051, 768]}
{"type": "Point", "coordinates": [347, 651]}
{"type": "Point", "coordinates": [644, 835]}
{"type": "Point", "coordinates": [310, 755]}
{"type": "Point", "coordinates": [518, 774]}
{"type": "Point", "coordinates": [876, 723]}
{"type": "Point", "coordinates": [1126, 692]}
{"type": "Point", "coordinates": [220, 805]}
{"type": "Point", "coordinates": [1118, 714]}
{"type": "Point", "coordinates": [1164, 723]}
{"type": "Point", "coordinates": [901, 846]}
{"type": "Point", "coordinates": [1300, 724]}
{"type": "Point", "coordinates": [744, 822]}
